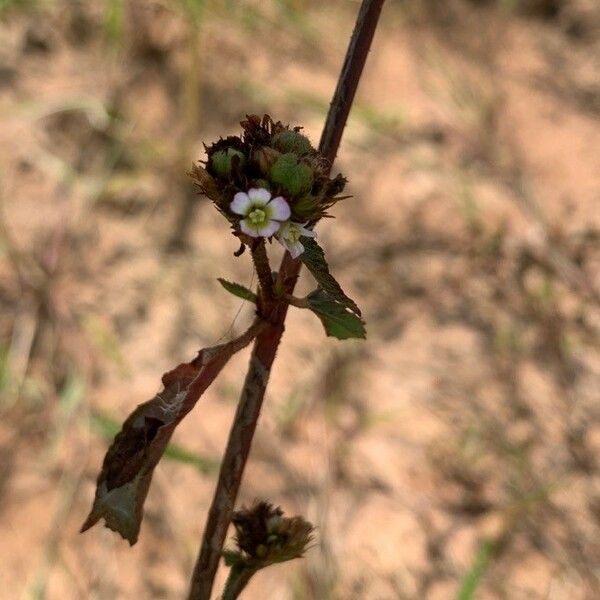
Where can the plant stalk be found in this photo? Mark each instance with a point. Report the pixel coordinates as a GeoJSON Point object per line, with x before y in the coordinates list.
{"type": "Point", "coordinates": [267, 342]}
{"type": "Point", "coordinates": [263, 270]}
{"type": "Point", "coordinates": [236, 582]}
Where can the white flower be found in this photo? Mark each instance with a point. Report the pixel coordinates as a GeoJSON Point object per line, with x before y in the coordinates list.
{"type": "Point", "coordinates": [289, 236]}
{"type": "Point", "coordinates": [263, 214]}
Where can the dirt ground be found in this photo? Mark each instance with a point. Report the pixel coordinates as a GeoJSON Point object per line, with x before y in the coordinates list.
{"type": "Point", "coordinates": [453, 455]}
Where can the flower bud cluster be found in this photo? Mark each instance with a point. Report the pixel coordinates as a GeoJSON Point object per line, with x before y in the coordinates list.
{"type": "Point", "coordinates": [269, 181]}
{"type": "Point", "coordinates": [264, 536]}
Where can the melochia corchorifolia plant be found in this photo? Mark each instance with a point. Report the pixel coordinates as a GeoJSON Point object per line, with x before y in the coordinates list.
{"type": "Point", "coordinates": [272, 186]}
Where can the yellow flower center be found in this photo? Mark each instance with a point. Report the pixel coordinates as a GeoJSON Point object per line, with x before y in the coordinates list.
{"type": "Point", "coordinates": [293, 234]}
{"type": "Point", "coordinates": [257, 216]}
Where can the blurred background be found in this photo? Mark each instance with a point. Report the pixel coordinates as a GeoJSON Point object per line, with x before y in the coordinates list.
{"type": "Point", "coordinates": [453, 455]}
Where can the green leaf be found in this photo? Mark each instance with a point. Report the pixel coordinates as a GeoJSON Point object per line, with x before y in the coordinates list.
{"type": "Point", "coordinates": [238, 290]}
{"type": "Point", "coordinates": [338, 321]}
{"type": "Point", "coordinates": [314, 259]}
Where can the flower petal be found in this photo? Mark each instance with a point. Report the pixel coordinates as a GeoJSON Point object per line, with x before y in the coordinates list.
{"type": "Point", "coordinates": [259, 196]}
{"type": "Point", "coordinates": [280, 209]}
{"type": "Point", "coordinates": [248, 228]}
{"type": "Point", "coordinates": [269, 229]}
{"type": "Point", "coordinates": [295, 249]}
{"type": "Point", "coordinates": [284, 230]}
{"type": "Point", "coordinates": [282, 239]}
{"type": "Point", "coordinates": [241, 203]}
{"type": "Point", "coordinates": [306, 232]}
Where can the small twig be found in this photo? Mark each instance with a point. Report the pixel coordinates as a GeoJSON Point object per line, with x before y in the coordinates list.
{"type": "Point", "coordinates": [267, 342]}
{"type": "Point", "coordinates": [236, 582]}
{"type": "Point", "coordinates": [263, 269]}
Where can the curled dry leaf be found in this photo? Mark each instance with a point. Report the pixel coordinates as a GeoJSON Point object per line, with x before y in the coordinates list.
{"type": "Point", "coordinates": [128, 466]}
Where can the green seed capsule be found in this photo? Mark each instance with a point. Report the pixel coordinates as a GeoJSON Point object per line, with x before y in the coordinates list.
{"type": "Point", "coordinates": [294, 177]}
{"type": "Point", "coordinates": [220, 161]}
{"type": "Point", "coordinates": [306, 207]}
{"type": "Point", "coordinates": [292, 141]}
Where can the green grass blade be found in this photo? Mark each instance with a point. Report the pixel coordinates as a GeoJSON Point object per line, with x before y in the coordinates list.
{"type": "Point", "coordinates": [114, 22]}
{"type": "Point", "coordinates": [478, 569]}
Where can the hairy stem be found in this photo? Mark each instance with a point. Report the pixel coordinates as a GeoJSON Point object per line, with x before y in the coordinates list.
{"type": "Point", "coordinates": [236, 581]}
{"type": "Point", "coordinates": [263, 270]}
{"type": "Point", "coordinates": [267, 342]}
{"type": "Point", "coordinates": [356, 56]}
{"type": "Point", "coordinates": [234, 461]}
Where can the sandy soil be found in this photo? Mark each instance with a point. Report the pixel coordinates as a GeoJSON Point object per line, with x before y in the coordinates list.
{"type": "Point", "coordinates": [454, 454]}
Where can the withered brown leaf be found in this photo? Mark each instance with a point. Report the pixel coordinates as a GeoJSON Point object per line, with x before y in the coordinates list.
{"type": "Point", "coordinates": [128, 466]}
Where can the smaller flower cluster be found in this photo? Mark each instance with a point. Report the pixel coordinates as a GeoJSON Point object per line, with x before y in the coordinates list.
{"type": "Point", "coordinates": [269, 181]}
{"type": "Point", "coordinates": [264, 536]}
